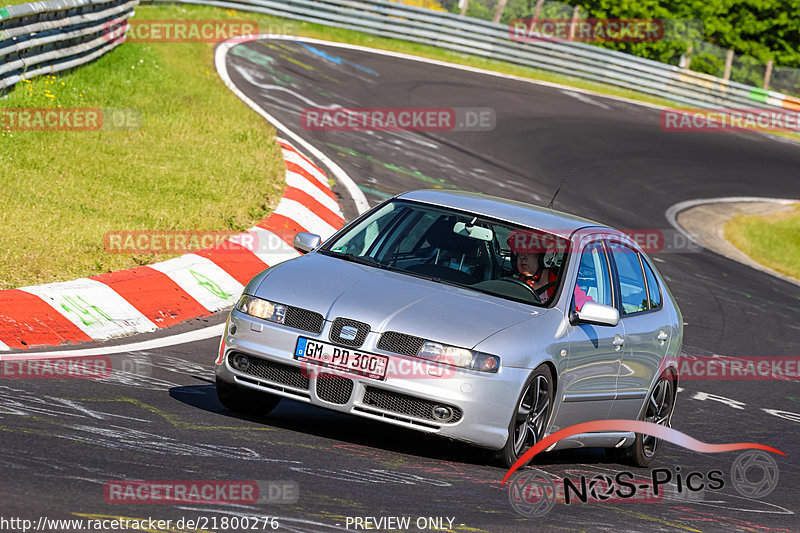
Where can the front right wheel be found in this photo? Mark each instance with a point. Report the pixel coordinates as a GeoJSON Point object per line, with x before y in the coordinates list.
{"type": "Point", "coordinates": [658, 410]}
{"type": "Point", "coordinates": [530, 418]}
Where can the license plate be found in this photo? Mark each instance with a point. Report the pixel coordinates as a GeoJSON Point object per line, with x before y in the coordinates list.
{"type": "Point", "coordinates": [342, 359]}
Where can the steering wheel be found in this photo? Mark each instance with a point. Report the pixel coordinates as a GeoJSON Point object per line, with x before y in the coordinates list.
{"type": "Point", "coordinates": [521, 283]}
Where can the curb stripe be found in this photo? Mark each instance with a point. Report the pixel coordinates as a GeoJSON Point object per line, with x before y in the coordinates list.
{"type": "Point", "coordinates": [298, 195]}
{"type": "Point", "coordinates": [297, 169]}
{"type": "Point", "coordinates": [207, 283]}
{"type": "Point", "coordinates": [160, 295]}
{"type": "Point", "coordinates": [272, 249]}
{"type": "Point", "coordinates": [296, 158]}
{"type": "Point", "coordinates": [306, 217]}
{"type": "Point", "coordinates": [154, 294]}
{"type": "Point", "coordinates": [241, 263]}
{"type": "Point", "coordinates": [299, 181]}
{"type": "Point", "coordinates": [284, 227]}
{"type": "Point", "coordinates": [32, 322]}
{"type": "Point", "coordinates": [318, 171]}
{"type": "Point", "coordinates": [93, 307]}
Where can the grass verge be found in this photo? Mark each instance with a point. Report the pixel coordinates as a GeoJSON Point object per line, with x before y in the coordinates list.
{"type": "Point", "coordinates": [772, 240]}
{"type": "Point", "coordinates": [200, 160]}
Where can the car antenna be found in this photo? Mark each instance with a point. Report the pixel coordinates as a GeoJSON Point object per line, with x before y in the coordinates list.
{"type": "Point", "coordinates": [553, 199]}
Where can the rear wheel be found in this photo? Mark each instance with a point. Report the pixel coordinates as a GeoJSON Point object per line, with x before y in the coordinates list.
{"type": "Point", "coordinates": [530, 418]}
{"type": "Point", "coordinates": [248, 401]}
{"type": "Point", "coordinates": [658, 410]}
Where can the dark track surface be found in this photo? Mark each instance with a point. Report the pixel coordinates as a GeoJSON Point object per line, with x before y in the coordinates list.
{"type": "Point", "coordinates": [62, 440]}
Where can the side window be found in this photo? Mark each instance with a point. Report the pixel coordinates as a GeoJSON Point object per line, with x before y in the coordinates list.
{"type": "Point", "coordinates": [593, 283]}
{"type": "Point", "coordinates": [631, 279]}
{"type": "Point", "coordinates": [652, 287]}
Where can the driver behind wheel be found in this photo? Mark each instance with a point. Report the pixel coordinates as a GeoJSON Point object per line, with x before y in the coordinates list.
{"type": "Point", "coordinates": [535, 258]}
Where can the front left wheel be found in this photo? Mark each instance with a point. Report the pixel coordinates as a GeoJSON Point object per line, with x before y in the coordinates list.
{"type": "Point", "coordinates": [531, 415]}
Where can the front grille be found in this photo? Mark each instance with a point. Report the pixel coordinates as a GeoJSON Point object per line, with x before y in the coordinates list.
{"type": "Point", "coordinates": [303, 319]}
{"type": "Point", "coordinates": [271, 371]}
{"type": "Point", "coordinates": [395, 342]}
{"type": "Point", "coordinates": [362, 330]}
{"type": "Point", "coordinates": [334, 389]}
{"type": "Point", "coordinates": [405, 404]}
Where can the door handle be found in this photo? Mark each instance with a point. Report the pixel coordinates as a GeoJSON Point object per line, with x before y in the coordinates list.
{"type": "Point", "coordinates": [662, 337]}
{"type": "Point", "coordinates": [618, 342]}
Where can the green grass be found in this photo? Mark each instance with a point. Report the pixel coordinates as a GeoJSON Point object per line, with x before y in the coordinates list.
{"type": "Point", "coordinates": [201, 160]}
{"type": "Point", "coordinates": [772, 240]}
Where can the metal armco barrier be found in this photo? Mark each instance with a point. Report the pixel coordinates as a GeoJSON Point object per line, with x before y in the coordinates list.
{"type": "Point", "coordinates": [46, 37]}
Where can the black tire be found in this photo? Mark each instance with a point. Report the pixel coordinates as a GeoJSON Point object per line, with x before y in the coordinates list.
{"type": "Point", "coordinates": [530, 417]}
{"type": "Point", "coordinates": [247, 401]}
{"type": "Point", "coordinates": [658, 409]}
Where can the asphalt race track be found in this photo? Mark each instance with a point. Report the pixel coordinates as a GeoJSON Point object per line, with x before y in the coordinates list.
{"type": "Point", "coordinates": [157, 417]}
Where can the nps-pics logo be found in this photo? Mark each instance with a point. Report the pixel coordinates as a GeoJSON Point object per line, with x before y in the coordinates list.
{"type": "Point", "coordinates": [533, 493]}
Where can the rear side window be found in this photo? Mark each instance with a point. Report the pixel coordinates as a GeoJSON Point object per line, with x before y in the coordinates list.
{"type": "Point", "coordinates": [631, 279]}
{"type": "Point", "coordinates": [652, 286]}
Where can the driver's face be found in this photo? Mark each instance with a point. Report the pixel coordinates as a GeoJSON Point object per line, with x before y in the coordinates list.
{"type": "Point", "coordinates": [527, 263]}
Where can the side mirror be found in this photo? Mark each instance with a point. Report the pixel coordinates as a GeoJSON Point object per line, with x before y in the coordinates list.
{"type": "Point", "coordinates": [305, 242]}
{"type": "Point", "coordinates": [596, 314]}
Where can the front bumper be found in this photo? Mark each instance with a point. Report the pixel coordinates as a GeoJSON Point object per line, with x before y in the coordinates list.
{"type": "Point", "coordinates": [482, 404]}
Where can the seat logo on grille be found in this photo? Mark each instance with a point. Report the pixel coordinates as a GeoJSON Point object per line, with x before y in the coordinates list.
{"type": "Point", "coordinates": [348, 333]}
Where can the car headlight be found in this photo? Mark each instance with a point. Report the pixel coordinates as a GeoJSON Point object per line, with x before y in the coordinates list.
{"type": "Point", "coordinates": [450, 355]}
{"type": "Point", "coordinates": [262, 308]}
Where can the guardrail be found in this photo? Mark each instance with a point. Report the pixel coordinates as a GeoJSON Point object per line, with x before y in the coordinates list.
{"type": "Point", "coordinates": [491, 40]}
{"type": "Point", "coordinates": [46, 37]}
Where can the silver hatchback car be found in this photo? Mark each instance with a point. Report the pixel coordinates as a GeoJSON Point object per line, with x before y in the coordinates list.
{"type": "Point", "coordinates": [485, 320]}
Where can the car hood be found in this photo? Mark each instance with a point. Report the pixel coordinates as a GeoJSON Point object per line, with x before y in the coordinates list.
{"type": "Point", "coordinates": [391, 301]}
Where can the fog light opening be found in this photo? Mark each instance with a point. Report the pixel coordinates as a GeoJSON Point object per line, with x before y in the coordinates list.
{"type": "Point", "coordinates": [240, 362]}
{"type": "Point", "coordinates": [442, 413]}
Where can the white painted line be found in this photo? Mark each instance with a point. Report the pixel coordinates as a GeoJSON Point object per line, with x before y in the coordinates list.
{"type": "Point", "coordinates": [293, 179]}
{"type": "Point", "coordinates": [93, 307]}
{"type": "Point", "coordinates": [207, 283]}
{"type": "Point", "coordinates": [674, 210]}
{"type": "Point", "coordinates": [585, 99]}
{"type": "Point", "coordinates": [220, 54]}
{"type": "Point", "coordinates": [294, 157]}
{"type": "Point", "coordinates": [271, 248]}
{"type": "Point", "coordinates": [173, 340]}
{"type": "Point", "coordinates": [305, 217]}
{"type": "Point", "coordinates": [4, 347]}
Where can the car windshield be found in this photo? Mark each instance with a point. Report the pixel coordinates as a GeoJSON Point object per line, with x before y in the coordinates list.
{"type": "Point", "coordinates": [457, 248]}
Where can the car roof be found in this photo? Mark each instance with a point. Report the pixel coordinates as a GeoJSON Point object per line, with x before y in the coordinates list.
{"type": "Point", "coordinates": [512, 211]}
